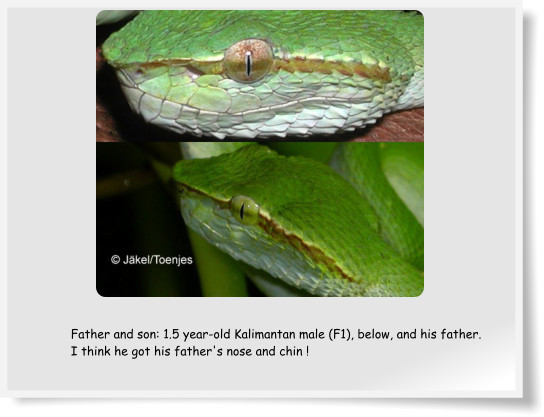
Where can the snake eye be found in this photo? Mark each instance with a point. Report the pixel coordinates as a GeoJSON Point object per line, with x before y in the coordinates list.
{"type": "Point", "coordinates": [244, 209]}
{"type": "Point", "coordinates": [248, 60]}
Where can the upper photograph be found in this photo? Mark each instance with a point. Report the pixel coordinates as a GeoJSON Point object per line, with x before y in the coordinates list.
{"type": "Point", "coordinates": [259, 75]}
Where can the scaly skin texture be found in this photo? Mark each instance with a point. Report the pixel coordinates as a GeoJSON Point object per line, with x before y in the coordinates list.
{"type": "Point", "coordinates": [331, 71]}
{"type": "Point", "coordinates": [398, 226]}
{"type": "Point", "coordinates": [311, 230]}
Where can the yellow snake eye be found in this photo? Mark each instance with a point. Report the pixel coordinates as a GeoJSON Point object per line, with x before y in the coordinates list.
{"type": "Point", "coordinates": [244, 209]}
{"type": "Point", "coordinates": [248, 60]}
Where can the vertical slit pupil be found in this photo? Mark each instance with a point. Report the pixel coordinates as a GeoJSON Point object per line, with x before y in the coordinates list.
{"type": "Point", "coordinates": [248, 63]}
{"type": "Point", "coordinates": [242, 211]}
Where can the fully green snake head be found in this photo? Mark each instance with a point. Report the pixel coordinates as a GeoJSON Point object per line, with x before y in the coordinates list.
{"type": "Point", "coordinates": [248, 74]}
{"type": "Point", "coordinates": [294, 218]}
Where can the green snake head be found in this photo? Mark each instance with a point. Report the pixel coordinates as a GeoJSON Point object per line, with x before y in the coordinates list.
{"type": "Point", "coordinates": [248, 74]}
{"type": "Point", "coordinates": [294, 218]}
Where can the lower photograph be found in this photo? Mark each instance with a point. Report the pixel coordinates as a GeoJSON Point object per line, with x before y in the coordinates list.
{"type": "Point", "coordinates": [209, 219]}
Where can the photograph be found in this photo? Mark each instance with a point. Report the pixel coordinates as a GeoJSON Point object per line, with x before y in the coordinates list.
{"type": "Point", "coordinates": [279, 75]}
{"type": "Point", "coordinates": [278, 219]}
{"type": "Point", "coordinates": [271, 144]}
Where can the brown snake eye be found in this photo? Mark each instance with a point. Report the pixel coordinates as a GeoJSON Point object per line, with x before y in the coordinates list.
{"type": "Point", "coordinates": [248, 60]}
